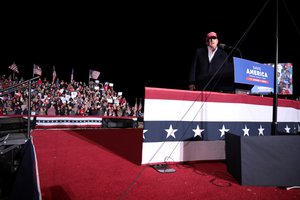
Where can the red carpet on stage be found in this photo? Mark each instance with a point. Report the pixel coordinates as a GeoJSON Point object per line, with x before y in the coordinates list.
{"type": "Point", "coordinates": [105, 164]}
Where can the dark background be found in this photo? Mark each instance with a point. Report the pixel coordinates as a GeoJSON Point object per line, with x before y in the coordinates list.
{"type": "Point", "coordinates": [142, 45]}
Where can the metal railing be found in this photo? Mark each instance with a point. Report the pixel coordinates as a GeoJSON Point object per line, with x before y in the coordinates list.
{"type": "Point", "coordinates": [15, 87]}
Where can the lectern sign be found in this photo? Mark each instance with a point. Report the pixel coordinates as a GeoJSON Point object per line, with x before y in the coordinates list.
{"type": "Point", "coordinates": [253, 73]}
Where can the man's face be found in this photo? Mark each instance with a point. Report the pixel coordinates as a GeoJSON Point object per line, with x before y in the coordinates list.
{"type": "Point", "coordinates": [212, 42]}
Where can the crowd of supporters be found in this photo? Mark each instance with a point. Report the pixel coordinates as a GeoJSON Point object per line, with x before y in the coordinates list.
{"type": "Point", "coordinates": [63, 98]}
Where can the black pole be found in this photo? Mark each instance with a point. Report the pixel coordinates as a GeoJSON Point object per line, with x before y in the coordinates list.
{"type": "Point", "coordinates": [275, 96]}
{"type": "Point", "coordinates": [29, 110]}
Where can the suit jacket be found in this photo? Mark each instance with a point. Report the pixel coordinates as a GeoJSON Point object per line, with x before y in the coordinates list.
{"type": "Point", "coordinates": [218, 75]}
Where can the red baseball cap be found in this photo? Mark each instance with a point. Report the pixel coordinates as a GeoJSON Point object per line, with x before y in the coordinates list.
{"type": "Point", "coordinates": [211, 34]}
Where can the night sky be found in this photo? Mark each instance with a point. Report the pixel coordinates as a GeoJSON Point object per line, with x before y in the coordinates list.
{"type": "Point", "coordinates": [143, 45]}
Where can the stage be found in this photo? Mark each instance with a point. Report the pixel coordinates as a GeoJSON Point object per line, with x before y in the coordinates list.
{"type": "Point", "coordinates": [183, 125]}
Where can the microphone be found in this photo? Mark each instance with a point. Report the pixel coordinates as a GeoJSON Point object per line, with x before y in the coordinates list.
{"type": "Point", "coordinates": [230, 48]}
{"type": "Point", "coordinates": [225, 47]}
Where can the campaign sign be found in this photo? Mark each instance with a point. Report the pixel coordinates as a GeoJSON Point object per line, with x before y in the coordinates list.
{"type": "Point", "coordinates": [253, 73]}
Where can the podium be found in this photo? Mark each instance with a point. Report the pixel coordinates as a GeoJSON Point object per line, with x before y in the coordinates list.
{"type": "Point", "coordinates": [248, 74]}
{"type": "Point", "coordinates": [242, 77]}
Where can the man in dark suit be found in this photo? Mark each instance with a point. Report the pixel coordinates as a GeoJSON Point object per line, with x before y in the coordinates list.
{"type": "Point", "coordinates": [211, 69]}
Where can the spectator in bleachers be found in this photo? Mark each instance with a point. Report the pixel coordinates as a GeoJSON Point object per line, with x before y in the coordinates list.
{"type": "Point", "coordinates": [51, 110]}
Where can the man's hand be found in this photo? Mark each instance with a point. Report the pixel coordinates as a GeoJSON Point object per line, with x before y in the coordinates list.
{"type": "Point", "coordinates": [192, 87]}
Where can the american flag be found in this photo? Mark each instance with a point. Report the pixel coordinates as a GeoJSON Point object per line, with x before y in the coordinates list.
{"type": "Point", "coordinates": [53, 75]}
{"type": "Point", "coordinates": [179, 123]}
{"type": "Point", "coordinates": [140, 105]}
{"type": "Point", "coordinates": [37, 70]}
{"type": "Point", "coordinates": [135, 105]}
{"type": "Point", "coordinates": [72, 75]}
{"type": "Point", "coordinates": [14, 67]}
{"type": "Point", "coordinates": [94, 74]}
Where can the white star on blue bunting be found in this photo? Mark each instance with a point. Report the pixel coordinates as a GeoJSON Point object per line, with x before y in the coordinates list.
{"type": "Point", "coordinates": [171, 131]}
{"type": "Point", "coordinates": [198, 131]}
{"type": "Point", "coordinates": [223, 130]}
{"type": "Point", "coordinates": [246, 130]}
{"type": "Point", "coordinates": [261, 130]}
{"type": "Point", "coordinates": [287, 129]}
{"type": "Point", "coordinates": [144, 131]}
